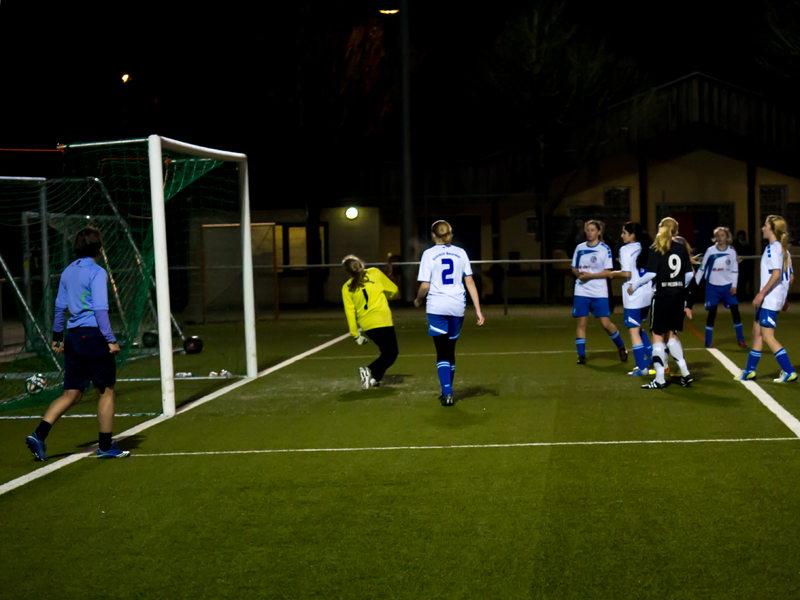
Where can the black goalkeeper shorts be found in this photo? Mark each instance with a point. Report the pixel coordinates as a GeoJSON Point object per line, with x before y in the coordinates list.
{"type": "Point", "coordinates": [666, 314]}
{"type": "Point", "coordinates": [87, 360]}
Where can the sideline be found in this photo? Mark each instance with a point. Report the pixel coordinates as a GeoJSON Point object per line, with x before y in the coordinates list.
{"type": "Point", "coordinates": [54, 466]}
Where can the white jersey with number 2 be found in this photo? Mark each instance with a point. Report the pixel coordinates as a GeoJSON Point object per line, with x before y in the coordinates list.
{"type": "Point", "coordinates": [445, 267]}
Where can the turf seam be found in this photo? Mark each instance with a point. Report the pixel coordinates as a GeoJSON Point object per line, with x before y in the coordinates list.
{"type": "Point", "coordinates": [42, 471]}
{"type": "Point", "coordinates": [468, 446]}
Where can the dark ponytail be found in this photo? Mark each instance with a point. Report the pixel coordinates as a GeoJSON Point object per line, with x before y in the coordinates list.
{"type": "Point", "coordinates": [643, 238]}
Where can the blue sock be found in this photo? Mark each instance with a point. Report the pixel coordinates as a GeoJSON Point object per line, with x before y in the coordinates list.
{"type": "Point", "coordinates": [783, 360]}
{"type": "Point", "coordinates": [581, 344]}
{"type": "Point", "coordinates": [739, 332]}
{"type": "Point", "coordinates": [452, 374]}
{"type": "Point", "coordinates": [617, 339]}
{"type": "Point", "coordinates": [443, 368]}
{"type": "Point", "coordinates": [639, 357]}
{"type": "Point", "coordinates": [648, 347]}
{"type": "Point", "coordinates": [709, 333]}
{"type": "Point", "coordinates": [752, 360]}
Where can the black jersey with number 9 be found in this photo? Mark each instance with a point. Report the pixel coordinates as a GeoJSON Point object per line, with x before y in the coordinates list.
{"type": "Point", "coordinates": [670, 269]}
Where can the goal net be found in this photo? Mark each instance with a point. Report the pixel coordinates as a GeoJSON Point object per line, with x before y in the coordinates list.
{"type": "Point", "coordinates": [152, 199]}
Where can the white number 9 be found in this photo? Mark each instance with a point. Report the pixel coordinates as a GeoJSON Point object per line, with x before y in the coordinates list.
{"type": "Point", "coordinates": [675, 265]}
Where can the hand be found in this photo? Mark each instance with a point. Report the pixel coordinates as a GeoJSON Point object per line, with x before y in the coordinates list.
{"type": "Point", "coordinates": [584, 276]}
{"type": "Point", "coordinates": [630, 290]}
{"type": "Point", "coordinates": [733, 291]}
{"type": "Point", "coordinates": [688, 312]}
{"type": "Point", "coordinates": [113, 347]}
{"type": "Point", "coordinates": [58, 347]}
{"type": "Point", "coordinates": [361, 340]}
{"type": "Point", "coordinates": [480, 318]}
{"type": "Point", "coordinates": [785, 306]}
{"type": "Point", "coordinates": [758, 300]}
{"type": "Point", "coordinates": [417, 302]}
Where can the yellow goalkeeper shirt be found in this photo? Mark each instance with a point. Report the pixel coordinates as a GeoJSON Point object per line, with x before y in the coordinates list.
{"type": "Point", "coordinates": [368, 306]}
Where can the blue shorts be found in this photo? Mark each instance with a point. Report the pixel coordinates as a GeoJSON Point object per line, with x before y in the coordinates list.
{"type": "Point", "coordinates": [87, 360]}
{"type": "Point", "coordinates": [717, 293]}
{"type": "Point", "coordinates": [583, 305]}
{"type": "Point", "coordinates": [767, 318]}
{"type": "Point", "coordinates": [445, 325]}
{"type": "Point", "coordinates": [634, 317]}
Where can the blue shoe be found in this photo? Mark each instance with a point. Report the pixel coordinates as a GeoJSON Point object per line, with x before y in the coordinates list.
{"type": "Point", "coordinates": [746, 376]}
{"type": "Point", "coordinates": [112, 452]}
{"type": "Point", "coordinates": [640, 372]}
{"type": "Point", "coordinates": [37, 447]}
{"type": "Point", "coordinates": [785, 377]}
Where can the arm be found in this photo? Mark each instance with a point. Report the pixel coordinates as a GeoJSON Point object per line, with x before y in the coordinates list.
{"type": "Point", "coordinates": [424, 288]}
{"type": "Point", "coordinates": [601, 275]}
{"type": "Point", "coordinates": [389, 288]}
{"type": "Point", "coordinates": [702, 270]}
{"type": "Point", "coordinates": [473, 294]}
{"type": "Point", "coordinates": [350, 312]}
{"type": "Point", "coordinates": [99, 292]}
{"type": "Point", "coordinates": [735, 274]}
{"type": "Point", "coordinates": [774, 279]}
{"type": "Point", "coordinates": [649, 276]}
{"type": "Point", "coordinates": [60, 317]}
{"type": "Point", "coordinates": [620, 275]}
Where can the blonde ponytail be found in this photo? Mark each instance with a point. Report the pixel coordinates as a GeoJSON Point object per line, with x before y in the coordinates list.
{"type": "Point", "coordinates": [443, 231]}
{"type": "Point", "coordinates": [667, 229]}
{"type": "Point", "coordinates": [354, 267]}
{"type": "Point", "coordinates": [778, 226]}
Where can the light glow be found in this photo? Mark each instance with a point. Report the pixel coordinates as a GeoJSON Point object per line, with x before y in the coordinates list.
{"type": "Point", "coordinates": [392, 11]}
{"type": "Point", "coordinates": [351, 213]}
{"type": "Point", "coordinates": [125, 78]}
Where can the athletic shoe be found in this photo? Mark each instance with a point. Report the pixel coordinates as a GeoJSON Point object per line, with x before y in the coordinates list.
{"type": "Point", "coordinates": [37, 447]}
{"type": "Point", "coordinates": [747, 376]}
{"type": "Point", "coordinates": [623, 354]}
{"type": "Point", "coordinates": [785, 377]}
{"type": "Point", "coordinates": [581, 360]}
{"type": "Point", "coordinates": [639, 372]}
{"type": "Point", "coordinates": [686, 380]}
{"type": "Point", "coordinates": [654, 385]}
{"type": "Point", "coordinates": [113, 452]}
{"type": "Point", "coordinates": [742, 345]}
{"type": "Point", "coordinates": [710, 346]}
{"type": "Point", "coordinates": [366, 375]}
{"type": "Point", "coordinates": [446, 400]}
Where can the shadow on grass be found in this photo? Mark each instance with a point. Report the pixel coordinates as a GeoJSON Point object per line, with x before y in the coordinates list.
{"type": "Point", "coordinates": [378, 393]}
{"type": "Point", "coordinates": [395, 379]}
{"type": "Point", "coordinates": [473, 392]}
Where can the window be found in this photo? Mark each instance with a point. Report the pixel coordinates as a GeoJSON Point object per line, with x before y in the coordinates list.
{"type": "Point", "coordinates": [290, 239]}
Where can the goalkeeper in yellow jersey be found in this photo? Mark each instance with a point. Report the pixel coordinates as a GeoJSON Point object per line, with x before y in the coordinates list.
{"type": "Point", "coordinates": [366, 305]}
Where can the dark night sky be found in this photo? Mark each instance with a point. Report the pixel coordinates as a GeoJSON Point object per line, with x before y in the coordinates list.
{"type": "Point", "coordinates": [224, 74]}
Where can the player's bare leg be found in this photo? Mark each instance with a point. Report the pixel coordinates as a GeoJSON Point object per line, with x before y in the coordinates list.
{"type": "Point", "coordinates": [615, 336]}
{"type": "Point", "coordinates": [105, 410]}
{"type": "Point", "coordinates": [580, 338]}
{"type": "Point", "coordinates": [61, 405]}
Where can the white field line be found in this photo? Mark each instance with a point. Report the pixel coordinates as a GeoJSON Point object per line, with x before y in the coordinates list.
{"type": "Point", "coordinates": [573, 351]}
{"type": "Point", "coordinates": [785, 416]}
{"type": "Point", "coordinates": [41, 472]}
{"type": "Point", "coordinates": [467, 446]}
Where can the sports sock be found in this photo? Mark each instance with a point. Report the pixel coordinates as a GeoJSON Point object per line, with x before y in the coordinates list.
{"type": "Point", "coordinates": [659, 360]}
{"type": "Point", "coordinates": [648, 347]}
{"type": "Point", "coordinates": [752, 360]}
{"type": "Point", "coordinates": [581, 344]}
{"type": "Point", "coordinates": [639, 356]}
{"type": "Point", "coordinates": [709, 334]}
{"type": "Point", "coordinates": [739, 332]}
{"type": "Point", "coordinates": [105, 441]}
{"type": "Point", "coordinates": [783, 360]}
{"type": "Point", "coordinates": [443, 368]}
{"type": "Point", "coordinates": [452, 374]}
{"type": "Point", "coordinates": [676, 350]}
{"type": "Point", "coordinates": [43, 430]}
{"type": "Point", "coordinates": [617, 339]}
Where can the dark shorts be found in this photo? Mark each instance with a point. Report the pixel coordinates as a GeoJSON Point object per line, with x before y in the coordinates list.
{"type": "Point", "coordinates": [666, 314]}
{"type": "Point", "coordinates": [87, 360]}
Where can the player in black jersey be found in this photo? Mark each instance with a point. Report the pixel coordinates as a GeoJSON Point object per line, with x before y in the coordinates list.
{"type": "Point", "coordinates": [669, 267]}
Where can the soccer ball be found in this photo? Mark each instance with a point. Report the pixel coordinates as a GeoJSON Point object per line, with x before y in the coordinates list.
{"type": "Point", "coordinates": [35, 384]}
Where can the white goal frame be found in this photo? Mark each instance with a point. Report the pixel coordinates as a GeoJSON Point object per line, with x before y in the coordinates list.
{"type": "Point", "coordinates": [156, 144]}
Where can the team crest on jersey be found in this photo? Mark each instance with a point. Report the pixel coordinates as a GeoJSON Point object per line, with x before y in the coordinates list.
{"type": "Point", "coordinates": [594, 259]}
{"type": "Point", "coordinates": [728, 262]}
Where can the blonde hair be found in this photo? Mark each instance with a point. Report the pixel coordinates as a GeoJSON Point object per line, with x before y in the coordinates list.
{"type": "Point", "coordinates": [728, 235]}
{"type": "Point", "coordinates": [778, 226]}
{"type": "Point", "coordinates": [695, 259]}
{"type": "Point", "coordinates": [443, 231]}
{"type": "Point", "coordinates": [667, 229]}
{"type": "Point", "coordinates": [601, 227]}
{"type": "Point", "coordinates": [354, 267]}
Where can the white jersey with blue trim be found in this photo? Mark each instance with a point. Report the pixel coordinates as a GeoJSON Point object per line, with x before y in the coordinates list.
{"type": "Point", "coordinates": [720, 267]}
{"type": "Point", "coordinates": [642, 297]}
{"type": "Point", "coordinates": [772, 260]}
{"type": "Point", "coordinates": [592, 259]}
{"type": "Point", "coordinates": [445, 267]}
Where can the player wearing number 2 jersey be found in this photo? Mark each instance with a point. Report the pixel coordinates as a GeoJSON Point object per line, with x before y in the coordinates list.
{"type": "Point", "coordinates": [669, 267]}
{"type": "Point", "coordinates": [365, 297]}
{"type": "Point", "coordinates": [444, 271]}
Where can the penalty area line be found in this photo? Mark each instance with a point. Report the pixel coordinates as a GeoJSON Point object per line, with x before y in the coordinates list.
{"type": "Point", "coordinates": [54, 466]}
{"type": "Point", "coordinates": [467, 446]}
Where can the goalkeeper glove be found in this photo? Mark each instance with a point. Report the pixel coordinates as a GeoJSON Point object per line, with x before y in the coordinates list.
{"type": "Point", "coordinates": [361, 340]}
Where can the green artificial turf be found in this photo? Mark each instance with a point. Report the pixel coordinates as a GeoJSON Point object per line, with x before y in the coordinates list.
{"type": "Point", "coordinates": [504, 495]}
